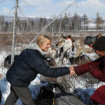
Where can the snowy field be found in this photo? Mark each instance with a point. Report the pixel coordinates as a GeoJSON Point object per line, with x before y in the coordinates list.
{"type": "Point", "coordinates": [78, 83]}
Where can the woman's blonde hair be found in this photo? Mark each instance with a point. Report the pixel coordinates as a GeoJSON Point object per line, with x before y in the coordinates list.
{"type": "Point", "coordinates": [42, 39]}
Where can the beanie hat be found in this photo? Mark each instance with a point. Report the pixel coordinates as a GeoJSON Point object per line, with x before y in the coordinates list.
{"type": "Point", "coordinates": [100, 44]}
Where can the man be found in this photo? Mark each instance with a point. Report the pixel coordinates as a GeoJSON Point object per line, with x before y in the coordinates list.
{"type": "Point", "coordinates": [96, 69]}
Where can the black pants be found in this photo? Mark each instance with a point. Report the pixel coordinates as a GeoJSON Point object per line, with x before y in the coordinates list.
{"type": "Point", "coordinates": [19, 92]}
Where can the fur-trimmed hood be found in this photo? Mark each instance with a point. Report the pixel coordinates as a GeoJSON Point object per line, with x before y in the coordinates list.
{"type": "Point", "coordinates": [36, 47]}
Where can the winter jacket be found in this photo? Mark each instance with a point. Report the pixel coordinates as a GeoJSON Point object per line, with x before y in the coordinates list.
{"type": "Point", "coordinates": [97, 70]}
{"type": "Point", "coordinates": [29, 63]}
{"type": "Point", "coordinates": [99, 96]}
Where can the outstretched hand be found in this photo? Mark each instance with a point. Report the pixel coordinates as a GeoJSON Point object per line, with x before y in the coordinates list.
{"type": "Point", "coordinates": [72, 72]}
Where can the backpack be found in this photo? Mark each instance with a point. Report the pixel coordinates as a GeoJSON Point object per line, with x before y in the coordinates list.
{"type": "Point", "coordinates": [90, 40]}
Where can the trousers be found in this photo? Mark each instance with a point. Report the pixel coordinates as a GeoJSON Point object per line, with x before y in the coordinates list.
{"type": "Point", "coordinates": [19, 92]}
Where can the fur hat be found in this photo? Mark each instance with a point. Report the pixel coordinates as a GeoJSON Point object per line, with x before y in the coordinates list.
{"type": "Point", "coordinates": [100, 44]}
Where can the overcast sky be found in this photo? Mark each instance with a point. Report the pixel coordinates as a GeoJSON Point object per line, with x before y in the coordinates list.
{"type": "Point", "coordinates": [49, 8]}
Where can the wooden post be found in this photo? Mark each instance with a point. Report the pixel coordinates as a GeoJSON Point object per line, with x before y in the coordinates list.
{"type": "Point", "coordinates": [14, 32]}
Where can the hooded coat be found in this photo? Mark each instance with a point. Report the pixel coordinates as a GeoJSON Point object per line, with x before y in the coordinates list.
{"type": "Point", "coordinates": [29, 63]}
{"type": "Point", "coordinates": [97, 70]}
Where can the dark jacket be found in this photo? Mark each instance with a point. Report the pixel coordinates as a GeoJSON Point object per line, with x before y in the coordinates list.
{"type": "Point", "coordinates": [29, 63]}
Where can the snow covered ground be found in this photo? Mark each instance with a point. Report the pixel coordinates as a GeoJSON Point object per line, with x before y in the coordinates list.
{"type": "Point", "coordinates": [79, 84]}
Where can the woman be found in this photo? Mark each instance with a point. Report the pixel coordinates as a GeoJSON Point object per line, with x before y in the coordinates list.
{"type": "Point", "coordinates": [25, 68]}
{"type": "Point", "coordinates": [96, 69]}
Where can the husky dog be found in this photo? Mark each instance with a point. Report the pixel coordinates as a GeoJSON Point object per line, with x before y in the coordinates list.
{"type": "Point", "coordinates": [81, 48]}
{"type": "Point", "coordinates": [52, 52]}
{"type": "Point", "coordinates": [82, 59]}
{"type": "Point", "coordinates": [7, 61]}
{"type": "Point", "coordinates": [65, 46]}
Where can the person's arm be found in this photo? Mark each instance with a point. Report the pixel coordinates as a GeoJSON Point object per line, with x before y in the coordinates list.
{"type": "Point", "coordinates": [81, 69]}
{"type": "Point", "coordinates": [92, 69]}
{"type": "Point", "coordinates": [45, 70]}
{"type": "Point", "coordinates": [84, 68]}
{"type": "Point", "coordinates": [36, 62]}
{"type": "Point", "coordinates": [97, 73]}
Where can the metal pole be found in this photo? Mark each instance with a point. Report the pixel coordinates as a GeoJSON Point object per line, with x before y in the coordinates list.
{"type": "Point", "coordinates": [14, 32]}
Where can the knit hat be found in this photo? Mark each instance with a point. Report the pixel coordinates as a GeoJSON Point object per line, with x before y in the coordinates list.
{"type": "Point", "coordinates": [100, 44]}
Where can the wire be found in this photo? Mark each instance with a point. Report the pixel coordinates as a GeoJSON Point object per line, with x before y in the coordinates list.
{"type": "Point", "coordinates": [24, 16]}
{"type": "Point", "coordinates": [2, 1]}
{"type": "Point", "coordinates": [11, 10]}
{"type": "Point", "coordinates": [13, 2]}
{"type": "Point", "coordinates": [26, 3]}
{"type": "Point", "coordinates": [52, 22]}
{"type": "Point", "coordinates": [27, 23]}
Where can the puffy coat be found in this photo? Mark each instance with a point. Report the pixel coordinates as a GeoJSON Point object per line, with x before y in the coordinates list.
{"type": "Point", "coordinates": [97, 70]}
{"type": "Point", "coordinates": [29, 63]}
{"type": "Point", "coordinates": [99, 96]}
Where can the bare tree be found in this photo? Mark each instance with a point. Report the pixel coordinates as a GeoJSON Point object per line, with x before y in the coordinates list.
{"type": "Point", "coordinates": [65, 21]}
{"type": "Point", "coordinates": [76, 22]}
{"type": "Point", "coordinates": [85, 22]}
{"type": "Point", "coordinates": [2, 23]}
{"type": "Point", "coordinates": [99, 21]}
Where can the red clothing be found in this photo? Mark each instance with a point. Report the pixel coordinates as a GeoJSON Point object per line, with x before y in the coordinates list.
{"type": "Point", "coordinates": [97, 70]}
{"type": "Point", "coordinates": [99, 95]}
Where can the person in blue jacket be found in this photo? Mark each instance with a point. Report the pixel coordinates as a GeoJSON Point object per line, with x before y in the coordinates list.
{"type": "Point", "coordinates": [24, 69]}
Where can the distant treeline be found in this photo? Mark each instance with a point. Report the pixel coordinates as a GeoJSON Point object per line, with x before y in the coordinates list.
{"type": "Point", "coordinates": [64, 23]}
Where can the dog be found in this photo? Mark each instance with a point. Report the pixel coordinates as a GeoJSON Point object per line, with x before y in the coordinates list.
{"type": "Point", "coordinates": [50, 61]}
{"type": "Point", "coordinates": [52, 52]}
{"type": "Point", "coordinates": [65, 46]}
{"type": "Point", "coordinates": [81, 45]}
{"type": "Point", "coordinates": [79, 60]}
{"type": "Point", "coordinates": [81, 48]}
{"type": "Point", "coordinates": [45, 96]}
{"type": "Point", "coordinates": [7, 61]}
